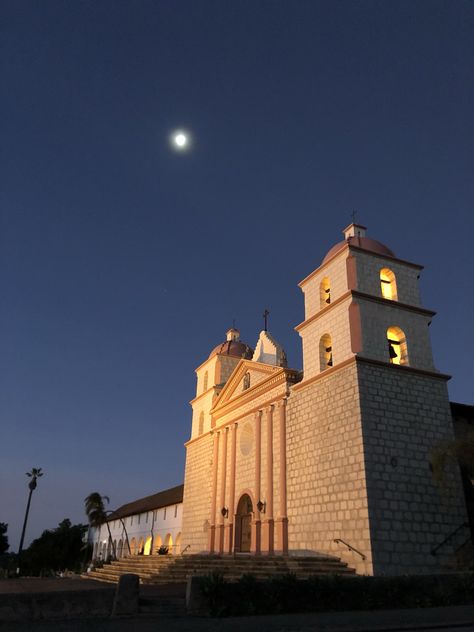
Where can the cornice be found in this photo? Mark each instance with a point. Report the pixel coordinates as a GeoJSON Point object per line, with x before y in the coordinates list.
{"type": "Point", "coordinates": [198, 397]}
{"type": "Point", "coordinates": [323, 311]}
{"type": "Point", "coordinates": [403, 367]}
{"type": "Point", "coordinates": [378, 363]}
{"type": "Point", "coordinates": [417, 266]}
{"type": "Point", "coordinates": [320, 376]}
{"type": "Point", "coordinates": [390, 303]}
{"type": "Point", "coordinates": [283, 376]}
{"type": "Point", "coordinates": [368, 297]}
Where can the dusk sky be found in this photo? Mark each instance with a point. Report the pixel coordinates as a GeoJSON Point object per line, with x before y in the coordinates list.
{"type": "Point", "coordinates": [124, 262]}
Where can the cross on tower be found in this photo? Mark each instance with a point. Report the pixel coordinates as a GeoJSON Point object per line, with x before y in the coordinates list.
{"type": "Point", "coordinates": [265, 318]}
{"type": "Point", "coordinates": [353, 215]}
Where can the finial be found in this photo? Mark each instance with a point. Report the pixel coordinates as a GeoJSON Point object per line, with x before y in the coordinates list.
{"type": "Point", "coordinates": [353, 215]}
{"type": "Point", "coordinates": [265, 318]}
{"type": "Point", "coordinates": [233, 323]}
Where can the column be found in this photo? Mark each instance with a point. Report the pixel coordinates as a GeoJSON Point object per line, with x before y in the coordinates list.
{"type": "Point", "coordinates": [256, 524]}
{"type": "Point", "coordinates": [222, 496]}
{"type": "Point", "coordinates": [268, 524]}
{"type": "Point", "coordinates": [212, 527]}
{"type": "Point", "coordinates": [281, 523]}
{"type": "Point", "coordinates": [229, 528]}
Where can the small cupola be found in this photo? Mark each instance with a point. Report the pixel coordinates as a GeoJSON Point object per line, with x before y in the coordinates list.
{"type": "Point", "coordinates": [354, 230]}
{"type": "Point", "coordinates": [233, 335]}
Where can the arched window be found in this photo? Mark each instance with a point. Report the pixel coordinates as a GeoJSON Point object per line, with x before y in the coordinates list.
{"type": "Point", "coordinates": [206, 376]}
{"type": "Point", "coordinates": [201, 423]}
{"type": "Point", "coordinates": [324, 292]}
{"type": "Point", "coordinates": [397, 346]}
{"type": "Point", "coordinates": [246, 381]}
{"type": "Point", "coordinates": [325, 352]}
{"type": "Point", "coordinates": [388, 284]}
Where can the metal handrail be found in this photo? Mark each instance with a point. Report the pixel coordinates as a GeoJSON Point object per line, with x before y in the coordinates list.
{"type": "Point", "coordinates": [349, 546]}
{"type": "Point", "coordinates": [448, 537]}
{"type": "Point", "coordinates": [188, 546]}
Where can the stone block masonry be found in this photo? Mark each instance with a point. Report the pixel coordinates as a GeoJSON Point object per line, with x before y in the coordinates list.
{"type": "Point", "coordinates": [404, 415]}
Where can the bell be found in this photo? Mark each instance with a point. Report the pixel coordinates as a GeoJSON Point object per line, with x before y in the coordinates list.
{"type": "Point", "coordinates": [328, 349]}
{"type": "Point", "coordinates": [392, 352]}
{"type": "Point", "coordinates": [328, 300]}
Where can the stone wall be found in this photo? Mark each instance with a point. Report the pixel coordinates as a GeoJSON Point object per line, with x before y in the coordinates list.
{"type": "Point", "coordinates": [404, 416]}
{"type": "Point", "coordinates": [197, 495]}
{"type": "Point", "coordinates": [327, 498]}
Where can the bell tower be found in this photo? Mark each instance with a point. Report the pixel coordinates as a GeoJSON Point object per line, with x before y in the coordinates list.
{"type": "Point", "coordinates": [371, 407]}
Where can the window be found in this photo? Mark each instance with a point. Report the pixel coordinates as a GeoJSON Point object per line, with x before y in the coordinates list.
{"type": "Point", "coordinates": [246, 381]}
{"type": "Point", "coordinates": [164, 514]}
{"type": "Point", "coordinates": [205, 381]}
{"type": "Point", "coordinates": [175, 511]}
{"type": "Point", "coordinates": [201, 423]}
{"type": "Point", "coordinates": [139, 516]}
{"type": "Point", "coordinates": [146, 517]}
{"type": "Point", "coordinates": [324, 293]}
{"type": "Point", "coordinates": [388, 284]}
{"type": "Point", "coordinates": [325, 352]}
{"type": "Point", "coordinates": [397, 346]}
{"type": "Point", "coordinates": [131, 520]}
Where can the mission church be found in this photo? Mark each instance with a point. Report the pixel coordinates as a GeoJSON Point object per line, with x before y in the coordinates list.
{"type": "Point", "coordinates": [334, 458]}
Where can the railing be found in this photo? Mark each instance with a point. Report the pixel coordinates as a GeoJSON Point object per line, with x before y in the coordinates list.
{"type": "Point", "coordinates": [449, 537]}
{"type": "Point", "coordinates": [188, 546]}
{"type": "Point", "coordinates": [349, 546]}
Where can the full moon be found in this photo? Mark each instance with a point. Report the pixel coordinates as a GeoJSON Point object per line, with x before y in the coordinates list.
{"type": "Point", "coordinates": [180, 140]}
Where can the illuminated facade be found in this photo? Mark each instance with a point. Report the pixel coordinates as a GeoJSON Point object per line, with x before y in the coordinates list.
{"type": "Point", "coordinates": [283, 461]}
{"type": "Point", "coordinates": [141, 527]}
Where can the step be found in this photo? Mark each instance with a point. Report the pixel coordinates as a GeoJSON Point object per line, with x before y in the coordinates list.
{"type": "Point", "coordinates": [176, 569]}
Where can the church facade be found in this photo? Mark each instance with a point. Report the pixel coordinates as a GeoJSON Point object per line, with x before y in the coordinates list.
{"type": "Point", "coordinates": [335, 458]}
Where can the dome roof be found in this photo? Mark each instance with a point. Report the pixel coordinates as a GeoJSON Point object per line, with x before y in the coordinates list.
{"type": "Point", "coordinates": [234, 348]}
{"type": "Point", "coordinates": [361, 242]}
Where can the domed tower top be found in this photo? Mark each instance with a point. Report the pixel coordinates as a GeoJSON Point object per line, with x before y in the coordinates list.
{"type": "Point", "coordinates": [354, 235]}
{"type": "Point", "coordinates": [233, 346]}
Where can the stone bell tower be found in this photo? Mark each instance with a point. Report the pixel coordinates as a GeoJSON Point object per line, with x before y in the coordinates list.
{"type": "Point", "coordinates": [364, 419]}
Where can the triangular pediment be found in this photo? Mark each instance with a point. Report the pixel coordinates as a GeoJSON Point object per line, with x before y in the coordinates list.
{"type": "Point", "coordinates": [245, 377]}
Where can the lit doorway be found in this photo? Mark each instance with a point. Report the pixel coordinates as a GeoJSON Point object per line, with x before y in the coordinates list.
{"type": "Point", "coordinates": [243, 525]}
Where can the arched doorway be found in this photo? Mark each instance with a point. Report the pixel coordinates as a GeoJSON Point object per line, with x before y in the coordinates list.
{"type": "Point", "coordinates": [133, 546]}
{"type": "Point", "coordinates": [158, 543]}
{"type": "Point", "coordinates": [243, 525]}
{"type": "Point", "coordinates": [177, 544]}
{"type": "Point", "coordinates": [120, 548]}
{"type": "Point", "coordinates": [169, 543]}
{"type": "Point", "coordinates": [148, 543]}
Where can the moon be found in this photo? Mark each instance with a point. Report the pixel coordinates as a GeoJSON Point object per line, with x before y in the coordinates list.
{"type": "Point", "coordinates": [180, 140]}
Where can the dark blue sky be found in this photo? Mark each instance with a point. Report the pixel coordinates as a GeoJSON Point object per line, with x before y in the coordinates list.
{"type": "Point", "coordinates": [123, 263]}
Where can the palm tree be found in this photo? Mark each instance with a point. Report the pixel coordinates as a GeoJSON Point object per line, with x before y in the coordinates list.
{"type": "Point", "coordinates": [34, 475]}
{"type": "Point", "coordinates": [96, 513]}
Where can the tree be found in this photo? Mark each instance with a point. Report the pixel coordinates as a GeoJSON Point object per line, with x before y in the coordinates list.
{"type": "Point", "coordinates": [459, 450]}
{"type": "Point", "coordinates": [96, 513]}
{"type": "Point", "coordinates": [34, 475]}
{"type": "Point", "coordinates": [56, 550]}
{"type": "Point", "coordinates": [4, 546]}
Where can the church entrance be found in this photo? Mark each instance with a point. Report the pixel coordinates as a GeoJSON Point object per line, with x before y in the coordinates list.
{"type": "Point", "coordinates": [243, 525]}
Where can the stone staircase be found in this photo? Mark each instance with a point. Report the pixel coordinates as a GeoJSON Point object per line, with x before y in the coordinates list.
{"type": "Point", "coordinates": [176, 569]}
